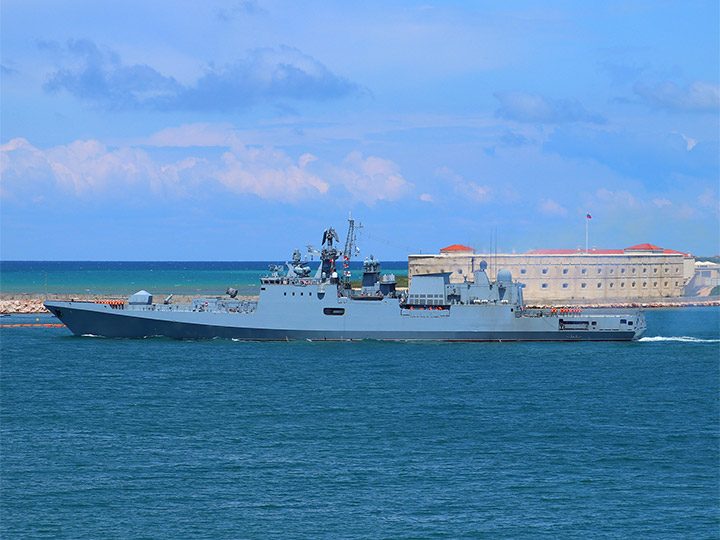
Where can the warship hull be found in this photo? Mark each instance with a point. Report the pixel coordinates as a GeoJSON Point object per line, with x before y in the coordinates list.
{"type": "Point", "coordinates": [358, 322]}
{"type": "Point", "coordinates": [292, 305]}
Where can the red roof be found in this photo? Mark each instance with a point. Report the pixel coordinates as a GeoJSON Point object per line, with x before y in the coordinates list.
{"type": "Point", "coordinates": [644, 247]}
{"type": "Point", "coordinates": [575, 251]}
{"type": "Point", "coordinates": [457, 247]}
{"type": "Point", "coordinates": [639, 247]}
{"type": "Point", "coordinates": [669, 251]}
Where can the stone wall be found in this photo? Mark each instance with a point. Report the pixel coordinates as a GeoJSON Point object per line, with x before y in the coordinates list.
{"type": "Point", "coordinates": [582, 276]}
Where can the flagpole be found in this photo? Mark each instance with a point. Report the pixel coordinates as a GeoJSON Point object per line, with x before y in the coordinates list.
{"type": "Point", "coordinates": [586, 234]}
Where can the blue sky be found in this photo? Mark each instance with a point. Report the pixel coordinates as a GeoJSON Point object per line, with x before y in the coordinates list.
{"type": "Point", "coordinates": [239, 130]}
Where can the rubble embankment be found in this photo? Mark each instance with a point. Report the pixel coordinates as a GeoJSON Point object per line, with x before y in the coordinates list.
{"type": "Point", "coordinates": [685, 301]}
{"type": "Point", "coordinates": [33, 303]}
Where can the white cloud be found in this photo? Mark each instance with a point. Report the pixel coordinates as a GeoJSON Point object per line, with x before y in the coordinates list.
{"type": "Point", "coordinates": [534, 108]}
{"type": "Point", "coordinates": [89, 170]}
{"type": "Point", "coordinates": [427, 197]}
{"type": "Point", "coordinates": [198, 134]}
{"type": "Point", "coordinates": [689, 143]}
{"type": "Point", "coordinates": [269, 174]}
{"type": "Point", "coordinates": [551, 208]}
{"type": "Point", "coordinates": [697, 96]}
{"type": "Point", "coordinates": [371, 179]}
{"type": "Point", "coordinates": [464, 188]}
{"type": "Point", "coordinates": [709, 199]}
{"type": "Point", "coordinates": [617, 198]}
{"type": "Point", "coordinates": [661, 202]}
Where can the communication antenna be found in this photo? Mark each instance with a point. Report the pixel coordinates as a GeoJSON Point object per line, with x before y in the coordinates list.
{"type": "Point", "coordinates": [351, 237]}
{"type": "Point", "coordinates": [46, 294]}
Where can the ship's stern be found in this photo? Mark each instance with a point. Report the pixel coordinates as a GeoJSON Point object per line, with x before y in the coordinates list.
{"type": "Point", "coordinates": [640, 325]}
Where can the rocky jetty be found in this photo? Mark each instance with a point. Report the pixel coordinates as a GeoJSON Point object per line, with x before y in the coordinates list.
{"type": "Point", "coordinates": [33, 303]}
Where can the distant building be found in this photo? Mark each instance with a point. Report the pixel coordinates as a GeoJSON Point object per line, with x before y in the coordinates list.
{"type": "Point", "coordinates": [707, 277]}
{"type": "Point", "coordinates": [637, 272]}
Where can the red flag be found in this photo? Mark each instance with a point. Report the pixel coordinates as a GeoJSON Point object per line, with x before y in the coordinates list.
{"type": "Point", "coordinates": [589, 216]}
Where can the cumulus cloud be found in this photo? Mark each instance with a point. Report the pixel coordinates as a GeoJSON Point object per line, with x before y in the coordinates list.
{"type": "Point", "coordinates": [270, 174]}
{"type": "Point", "coordinates": [653, 158]}
{"type": "Point", "coordinates": [90, 171]}
{"type": "Point", "coordinates": [264, 75]}
{"type": "Point", "coordinates": [7, 70]}
{"type": "Point", "coordinates": [195, 134]}
{"type": "Point", "coordinates": [466, 189]}
{"type": "Point", "coordinates": [534, 108]}
{"type": "Point", "coordinates": [551, 208]}
{"type": "Point", "coordinates": [239, 8]}
{"type": "Point", "coordinates": [697, 96]}
{"type": "Point", "coordinates": [372, 179]}
{"type": "Point", "coordinates": [426, 197]}
{"type": "Point", "coordinates": [709, 199]}
{"type": "Point", "coordinates": [621, 198]}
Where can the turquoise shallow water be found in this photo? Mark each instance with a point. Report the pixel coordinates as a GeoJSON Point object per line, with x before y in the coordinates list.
{"type": "Point", "coordinates": [86, 277]}
{"type": "Point", "coordinates": [219, 439]}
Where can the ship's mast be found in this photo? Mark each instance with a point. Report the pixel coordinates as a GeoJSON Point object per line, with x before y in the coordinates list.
{"type": "Point", "coordinates": [349, 245]}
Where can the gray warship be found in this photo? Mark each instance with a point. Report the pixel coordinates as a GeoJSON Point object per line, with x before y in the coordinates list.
{"type": "Point", "coordinates": [297, 304]}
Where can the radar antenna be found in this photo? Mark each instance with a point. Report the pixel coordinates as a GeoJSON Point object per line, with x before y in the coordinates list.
{"type": "Point", "coordinates": [349, 247]}
{"type": "Point", "coordinates": [351, 237]}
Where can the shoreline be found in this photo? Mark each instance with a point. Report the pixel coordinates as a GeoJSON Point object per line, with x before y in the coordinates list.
{"type": "Point", "coordinates": [33, 303]}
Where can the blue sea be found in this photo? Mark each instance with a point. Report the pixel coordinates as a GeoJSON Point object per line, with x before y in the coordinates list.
{"type": "Point", "coordinates": [160, 277]}
{"type": "Point", "coordinates": [162, 439]}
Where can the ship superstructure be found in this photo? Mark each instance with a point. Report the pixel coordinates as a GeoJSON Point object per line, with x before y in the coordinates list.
{"type": "Point", "coordinates": [297, 303]}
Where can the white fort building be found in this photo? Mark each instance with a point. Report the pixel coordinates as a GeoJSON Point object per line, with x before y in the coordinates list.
{"type": "Point", "coordinates": [643, 271]}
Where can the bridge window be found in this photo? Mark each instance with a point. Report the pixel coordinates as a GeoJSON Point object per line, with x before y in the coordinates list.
{"type": "Point", "coordinates": [622, 270]}
{"type": "Point", "coordinates": [565, 285]}
{"type": "Point", "coordinates": [583, 271]}
{"type": "Point", "coordinates": [544, 270]}
{"type": "Point", "coordinates": [599, 285]}
{"type": "Point", "coordinates": [583, 285]}
{"type": "Point", "coordinates": [565, 270]}
{"type": "Point", "coordinates": [522, 270]}
{"type": "Point", "coordinates": [622, 284]}
{"type": "Point", "coordinates": [599, 270]}
{"type": "Point", "coordinates": [544, 285]}
{"type": "Point", "coordinates": [611, 285]}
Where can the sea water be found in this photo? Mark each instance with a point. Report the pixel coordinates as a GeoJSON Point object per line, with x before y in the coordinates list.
{"type": "Point", "coordinates": [162, 439]}
{"type": "Point", "coordinates": [125, 278]}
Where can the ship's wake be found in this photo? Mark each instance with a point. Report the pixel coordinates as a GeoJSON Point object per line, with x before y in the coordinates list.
{"type": "Point", "coordinates": [678, 339]}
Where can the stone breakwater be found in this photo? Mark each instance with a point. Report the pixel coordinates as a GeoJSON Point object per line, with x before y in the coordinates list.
{"type": "Point", "coordinates": [648, 304]}
{"type": "Point", "coordinates": [33, 303]}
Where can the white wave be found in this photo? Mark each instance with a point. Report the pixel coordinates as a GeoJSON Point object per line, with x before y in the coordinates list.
{"type": "Point", "coordinates": [680, 339]}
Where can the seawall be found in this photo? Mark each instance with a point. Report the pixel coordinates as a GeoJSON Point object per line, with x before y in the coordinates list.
{"type": "Point", "coordinates": [33, 303]}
